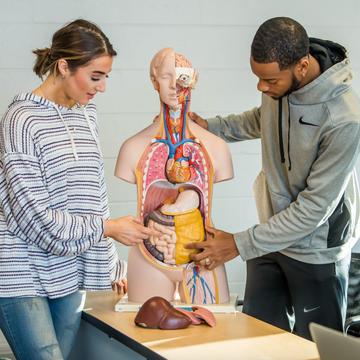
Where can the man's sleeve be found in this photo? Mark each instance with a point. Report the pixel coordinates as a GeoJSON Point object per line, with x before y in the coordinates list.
{"type": "Point", "coordinates": [240, 127]}
{"type": "Point", "coordinates": [326, 183]}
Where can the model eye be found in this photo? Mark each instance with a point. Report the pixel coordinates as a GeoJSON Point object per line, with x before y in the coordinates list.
{"type": "Point", "coordinates": [95, 79]}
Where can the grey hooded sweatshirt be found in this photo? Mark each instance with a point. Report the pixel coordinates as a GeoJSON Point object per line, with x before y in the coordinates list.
{"type": "Point", "coordinates": [307, 193]}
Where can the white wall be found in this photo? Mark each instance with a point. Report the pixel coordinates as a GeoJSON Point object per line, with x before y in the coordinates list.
{"type": "Point", "coordinates": [215, 34]}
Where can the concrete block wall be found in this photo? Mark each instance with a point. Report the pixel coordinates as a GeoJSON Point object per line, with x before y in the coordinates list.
{"type": "Point", "coordinates": [215, 34]}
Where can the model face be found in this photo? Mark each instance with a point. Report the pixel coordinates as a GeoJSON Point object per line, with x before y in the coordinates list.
{"type": "Point", "coordinates": [166, 78]}
{"type": "Point", "coordinates": [274, 82]}
{"type": "Point", "coordinates": [82, 85]}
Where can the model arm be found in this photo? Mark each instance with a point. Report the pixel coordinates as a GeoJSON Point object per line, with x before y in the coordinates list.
{"type": "Point", "coordinates": [130, 153]}
{"type": "Point", "coordinates": [222, 163]}
{"type": "Point", "coordinates": [125, 163]}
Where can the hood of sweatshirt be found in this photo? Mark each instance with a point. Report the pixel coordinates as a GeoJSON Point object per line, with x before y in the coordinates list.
{"type": "Point", "coordinates": [60, 110]}
{"type": "Point", "coordinates": [335, 78]}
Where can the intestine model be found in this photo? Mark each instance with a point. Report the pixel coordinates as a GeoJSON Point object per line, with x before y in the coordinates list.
{"type": "Point", "coordinates": [174, 164]}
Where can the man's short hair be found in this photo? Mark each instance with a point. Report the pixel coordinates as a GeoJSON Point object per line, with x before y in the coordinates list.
{"type": "Point", "coordinates": [282, 40]}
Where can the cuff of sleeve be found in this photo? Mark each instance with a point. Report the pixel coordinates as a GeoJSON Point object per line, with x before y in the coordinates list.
{"type": "Point", "coordinates": [244, 245]}
{"type": "Point", "coordinates": [214, 125]}
{"type": "Point", "coordinates": [103, 228]}
{"type": "Point", "coordinates": [121, 270]}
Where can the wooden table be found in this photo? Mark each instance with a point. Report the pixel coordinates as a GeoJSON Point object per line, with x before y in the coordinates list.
{"type": "Point", "coordinates": [235, 336]}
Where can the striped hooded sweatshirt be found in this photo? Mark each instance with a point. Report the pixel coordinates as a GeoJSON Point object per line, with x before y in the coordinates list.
{"type": "Point", "coordinates": [53, 201]}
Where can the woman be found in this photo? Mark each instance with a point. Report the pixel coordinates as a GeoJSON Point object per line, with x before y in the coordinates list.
{"type": "Point", "coordinates": [54, 224]}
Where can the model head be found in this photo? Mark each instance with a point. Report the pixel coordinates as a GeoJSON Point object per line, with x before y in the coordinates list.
{"type": "Point", "coordinates": [173, 76]}
{"type": "Point", "coordinates": [280, 56]}
{"type": "Point", "coordinates": [80, 56]}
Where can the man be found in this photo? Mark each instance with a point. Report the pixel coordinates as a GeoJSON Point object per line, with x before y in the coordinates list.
{"type": "Point", "coordinates": [306, 194]}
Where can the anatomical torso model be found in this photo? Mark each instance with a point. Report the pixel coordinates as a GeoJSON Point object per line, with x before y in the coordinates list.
{"type": "Point", "coordinates": [174, 164]}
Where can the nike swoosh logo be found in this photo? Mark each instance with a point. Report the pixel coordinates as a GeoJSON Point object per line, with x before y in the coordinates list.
{"type": "Point", "coordinates": [301, 121]}
{"type": "Point", "coordinates": [311, 309]}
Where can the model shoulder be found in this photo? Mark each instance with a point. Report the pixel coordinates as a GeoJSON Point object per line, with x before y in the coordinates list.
{"type": "Point", "coordinates": [131, 151]}
{"type": "Point", "coordinates": [218, 151]}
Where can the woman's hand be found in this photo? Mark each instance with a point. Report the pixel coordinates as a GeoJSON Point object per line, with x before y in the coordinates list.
{"type": "Point", "coordinates": [128, 230]}
{"type": "Point", "coordinates": [120, 287]}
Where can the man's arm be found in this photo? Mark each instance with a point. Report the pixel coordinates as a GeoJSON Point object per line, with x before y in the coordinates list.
{"type": "Point", "coordinates": [231, 128]}
{"type": "Point", "coordinates": [313, 206]}
{"type": "Point", "coordinates": [326, 184]}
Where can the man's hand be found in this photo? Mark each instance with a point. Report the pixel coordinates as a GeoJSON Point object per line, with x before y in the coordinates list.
{"type": "Point", "coordinates": [218, 248]}
{"type": "Point", "coordinates": [199, 120]}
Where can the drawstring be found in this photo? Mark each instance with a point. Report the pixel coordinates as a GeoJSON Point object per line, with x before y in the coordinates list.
{"type": "Point", "coordinates": [281, 143]}
{"type": "Point", "coordinates": [289, 133]}
{"type": "Point", "coordinates": [92, 130]}
{"type": "Point", "coordinates": [71, 136]}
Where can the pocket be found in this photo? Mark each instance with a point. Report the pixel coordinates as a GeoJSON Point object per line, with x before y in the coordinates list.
{"type": "Point", "coordinates": [262, 198]}
{"type": "Point", "coordinates": [279, 202]}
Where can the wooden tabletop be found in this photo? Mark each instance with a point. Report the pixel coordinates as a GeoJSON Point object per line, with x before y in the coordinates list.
{"type": "Point", "coordinates": [235, 336]}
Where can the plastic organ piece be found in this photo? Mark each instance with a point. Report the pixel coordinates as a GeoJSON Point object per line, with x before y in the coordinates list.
{"type": "Point", "coordinates": [187, 200]}
{"type": "Point", "coordinates": [158, 313]}
{"type": "Point", "coordinates": [170, 247]}
{"type": "Point", "coordinates": [204, 314]}
{"type": "Point", "coordinates": [163, 247]}
{"type": "Point", "coordinates": [189, 228]}
{"type": "Point", "coordinates": [199, 315]}
{"type": "Point", "coordinates": [194, 319]}
{"type": "Point", "coordinates": [181, 223]}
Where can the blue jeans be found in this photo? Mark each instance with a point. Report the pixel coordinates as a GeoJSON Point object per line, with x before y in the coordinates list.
{"type": "Point", "coordinates": [41, 328]}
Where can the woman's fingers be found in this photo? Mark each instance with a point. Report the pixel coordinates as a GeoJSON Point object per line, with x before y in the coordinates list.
{"type": "Point", "coordinates": [120, 287]}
